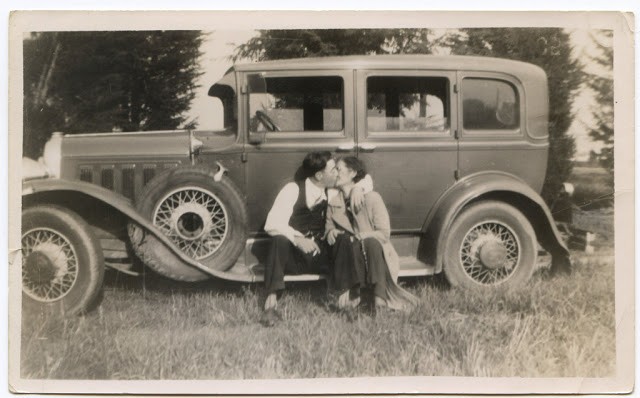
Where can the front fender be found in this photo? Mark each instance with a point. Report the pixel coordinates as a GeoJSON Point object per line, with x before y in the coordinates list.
{"type": "Point", "coordinates": [499, 186]}
{"type": "Point", "coordinates": [123, 205]}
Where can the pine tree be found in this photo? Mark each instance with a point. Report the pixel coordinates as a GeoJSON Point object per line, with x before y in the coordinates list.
{"type": "Point", "coordinates": [299, 43]}
{"type": "Point", "coordinates": [602, 85]}
{"type": "Point", "coordinates": [83, 82]}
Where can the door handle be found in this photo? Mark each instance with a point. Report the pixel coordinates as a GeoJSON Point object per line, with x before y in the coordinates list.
{"type": "Point", "coordinates": [346, 147]}
{"type": "Point", "coordinates": [367, 147]}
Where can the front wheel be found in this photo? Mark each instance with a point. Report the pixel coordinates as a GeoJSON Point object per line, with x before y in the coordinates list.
{"type": "Point", "coordinates": [62, 262]}
{"type": "Point", "coordinates": [491, 244]}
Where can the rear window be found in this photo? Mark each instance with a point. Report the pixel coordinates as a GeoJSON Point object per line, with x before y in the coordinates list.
{"type": "Point", "coordinates": [489, 105]}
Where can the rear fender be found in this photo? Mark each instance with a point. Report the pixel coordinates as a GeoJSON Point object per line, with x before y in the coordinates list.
{"type": "Point", "coordinates": [125, 206]}
{"type": "Point", "coordinates": [492, 186]}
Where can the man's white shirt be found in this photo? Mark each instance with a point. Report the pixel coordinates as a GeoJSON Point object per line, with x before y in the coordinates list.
{"type": "Point", "coordinates": [278, 219]}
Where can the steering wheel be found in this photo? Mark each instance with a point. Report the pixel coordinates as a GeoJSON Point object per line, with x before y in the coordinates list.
{"type": "Point", "coordinates": [267, 121]}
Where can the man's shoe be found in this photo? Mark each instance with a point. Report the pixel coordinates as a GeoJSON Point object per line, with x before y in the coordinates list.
{"type": "Point", "coordinates": [351, 314]}
{"type": "Point", "coordinates": [270, 317]}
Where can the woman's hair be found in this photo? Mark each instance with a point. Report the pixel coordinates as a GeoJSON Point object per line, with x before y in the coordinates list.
{"type": "Point", "coordinates": [356, 165]}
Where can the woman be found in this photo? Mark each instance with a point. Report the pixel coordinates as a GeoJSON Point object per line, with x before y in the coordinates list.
{"type": "Point", "coordinates": [365, 235]}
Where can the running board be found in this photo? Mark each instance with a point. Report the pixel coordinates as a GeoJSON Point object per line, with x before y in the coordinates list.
{"type": "Point", "coordinates": [240, 272]}
{"type": "Point", "coordinates": [409, 267]}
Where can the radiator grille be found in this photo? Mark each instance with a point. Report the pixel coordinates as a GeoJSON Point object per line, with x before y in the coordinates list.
{"type": "Point", "coordinates": [106, 179]}
{"type": "Point", "coordinates": [86, 174]}
{"type": "Point", "coordinates": [128, 183]}
{"type": "Point", "coordinates": [148, 173]}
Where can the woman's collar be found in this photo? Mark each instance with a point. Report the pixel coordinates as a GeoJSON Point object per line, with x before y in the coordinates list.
{"type": "Point", "coordinates": [337, 200]}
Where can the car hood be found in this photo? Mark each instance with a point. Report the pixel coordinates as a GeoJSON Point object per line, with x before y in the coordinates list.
{"type": "Point", "coordinates": [147, 143]}
{"type": "Point", "coordinates": [216, 140]}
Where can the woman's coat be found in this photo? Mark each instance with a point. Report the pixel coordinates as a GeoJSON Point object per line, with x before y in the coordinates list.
{"type": "Point", "coordinates": [372, 221]}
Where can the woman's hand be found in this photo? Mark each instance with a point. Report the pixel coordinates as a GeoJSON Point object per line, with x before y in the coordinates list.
{"type": "Point", "coordinates": [333, 235]}
{"type": "Point", "coordinates": [357, 199]}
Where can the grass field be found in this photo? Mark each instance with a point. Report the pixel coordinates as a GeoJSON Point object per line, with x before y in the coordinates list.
{"type": "Point", "coordinates": [593, 187]}
{"type": "Point", "coordinates": [150, 328]}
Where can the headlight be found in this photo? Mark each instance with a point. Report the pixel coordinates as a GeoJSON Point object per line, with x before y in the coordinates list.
{"type": "Point", "coordinates": [52, 157]}
{"type": "Point", "coordinates": [568, 188]}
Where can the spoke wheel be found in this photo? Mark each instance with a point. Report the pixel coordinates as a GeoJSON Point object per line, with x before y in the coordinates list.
{"type": "Point", "coordinates": [489, 253]}
{"type": "Point", "coordinates": [194, 219]}
{"type": "Point", "coordinates": [205, 218]}
{"type": "Point", "coordinates": [491, 244]}
{"type": "Point", "coordinates": [49, 264]}
{"type": "Point", "coordinates": [62, 262]}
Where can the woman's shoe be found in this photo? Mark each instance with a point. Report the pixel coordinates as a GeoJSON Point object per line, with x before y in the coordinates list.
{"type": "Point", "coordinates": [345, 301]}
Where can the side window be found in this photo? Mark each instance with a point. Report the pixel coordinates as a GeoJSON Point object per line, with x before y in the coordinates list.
{"type": "Point", "coordinates": [407, 104]}
{"type": "Point", "coordinates": [489, 105]}
{"type": "Point", "coordinates": [295, 104]}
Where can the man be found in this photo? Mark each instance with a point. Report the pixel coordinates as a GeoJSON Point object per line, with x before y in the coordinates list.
{"type": "Point", "coordinates": [297, 224]}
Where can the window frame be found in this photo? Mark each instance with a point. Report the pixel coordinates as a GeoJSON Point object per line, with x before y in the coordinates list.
{"type": "Point", "coordinates": [347, 108]}
{"type": "Point", "coordinates": [513, 133]}
{"type": "Point", "coordinates": [398, 134]}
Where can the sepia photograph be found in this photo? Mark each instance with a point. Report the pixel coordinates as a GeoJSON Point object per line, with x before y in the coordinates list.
{"type": "Point", "coordinates": [321, 202]}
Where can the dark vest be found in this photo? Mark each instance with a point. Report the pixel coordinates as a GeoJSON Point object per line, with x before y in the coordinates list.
{"type": "Point", "coordinates": [308, 221]}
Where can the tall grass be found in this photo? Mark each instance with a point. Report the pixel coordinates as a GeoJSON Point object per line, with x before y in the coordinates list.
{"type": "Point", "coordinates": [149, 328]}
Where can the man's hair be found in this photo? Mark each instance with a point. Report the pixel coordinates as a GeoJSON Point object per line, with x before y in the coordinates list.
{"type": "Point", "coordinates": [315, 162]}
{"type": "Point", "coordinates": [356, 165]}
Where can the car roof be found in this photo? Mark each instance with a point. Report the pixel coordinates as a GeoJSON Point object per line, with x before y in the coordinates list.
{"type": "Point", "coordinates": [400, 61]}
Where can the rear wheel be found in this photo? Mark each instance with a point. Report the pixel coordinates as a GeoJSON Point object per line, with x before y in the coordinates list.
{"type": "Point", "coordinates": [62, 262]}
{"type": "Point", "coordinates": [205, 218]}
{"type": "Point", "coordinates": [491, 244]}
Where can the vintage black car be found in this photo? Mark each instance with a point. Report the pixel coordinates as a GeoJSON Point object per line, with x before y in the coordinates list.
{"type": "Point", "coordinates": [457, 147]}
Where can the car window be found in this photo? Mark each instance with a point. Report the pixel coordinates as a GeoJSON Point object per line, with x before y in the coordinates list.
{"type": "Point", "coordinates": [407, 104]}
{"type": "Point", "coordinates": [295, 104]}
{"type": "Point", "coordinates": [489, 105]}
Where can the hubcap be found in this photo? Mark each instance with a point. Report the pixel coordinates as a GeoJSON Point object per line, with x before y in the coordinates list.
{"type": "Point", "coordinates": [194, 219]}
{"type": "Point", "coordinates": [49, 265]}
{"type": "Point", "coordinates": [190, 225]}
{"type": "Point", "coordinates": [493, 255]}
{"type": "Point", "coordinates": [489, 253]}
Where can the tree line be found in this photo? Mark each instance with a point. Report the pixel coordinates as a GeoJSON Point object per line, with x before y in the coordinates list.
{"type": "Point", "coordinates": [83, 82]}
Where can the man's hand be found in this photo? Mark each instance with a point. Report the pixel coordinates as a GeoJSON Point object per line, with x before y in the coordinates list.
{"type": "Point", "coordinates": [357, 199]}
{"type": "Point", "coordinates": [306, 245]}
{"type": "Point", "coordinates": [333, 235]}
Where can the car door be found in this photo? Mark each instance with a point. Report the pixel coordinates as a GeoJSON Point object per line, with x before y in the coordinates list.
{"type": "Point", "coordinates": [493, 129]}
{"type": "Point", "coordinates": [405, 136]}
{"type": "Point", "coordinates": [290, 113]}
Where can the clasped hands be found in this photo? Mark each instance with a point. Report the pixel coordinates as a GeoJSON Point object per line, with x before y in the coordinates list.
{"type": "Point", "coordinates": [333, 235]}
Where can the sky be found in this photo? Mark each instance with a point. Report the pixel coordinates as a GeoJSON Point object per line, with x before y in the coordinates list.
{"type": "Point", "coordinates": [219, 45]}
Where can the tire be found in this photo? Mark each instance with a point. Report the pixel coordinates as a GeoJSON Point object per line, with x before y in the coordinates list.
{"type": "Point", "coordinates": [207, 219]}
{"type": "Point", "coordinates": [491, 245]}
{"type": "Point", "coordinates": [62, 262]}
